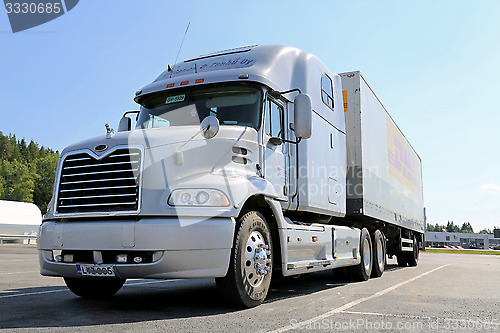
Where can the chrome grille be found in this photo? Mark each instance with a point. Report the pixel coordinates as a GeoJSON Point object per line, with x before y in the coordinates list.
{"type": "Point", "coordinates": [107, 184]}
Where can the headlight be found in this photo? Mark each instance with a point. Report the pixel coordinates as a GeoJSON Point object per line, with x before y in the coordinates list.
{"type": "Point", "coordinates": [198, 197]}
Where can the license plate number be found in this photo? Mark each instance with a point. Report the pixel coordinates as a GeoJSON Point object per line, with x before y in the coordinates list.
{"type": "Point", "coordinates": [95, 270]}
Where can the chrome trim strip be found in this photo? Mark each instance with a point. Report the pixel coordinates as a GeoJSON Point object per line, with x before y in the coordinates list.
{"type": "Point", "coordinates": [102, 204]}
{"type": "Point", "coordinates": [98, 172]}
{"type": "Point", "coordinates": [98, 196]}
{"type": "Point", "coordinates": [96, 188]}
{"type": "Point", "coordinates": [98, 165]}
{"type": "Point", "coordinates": [98, 180]}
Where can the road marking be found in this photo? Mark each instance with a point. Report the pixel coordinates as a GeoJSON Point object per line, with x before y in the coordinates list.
{"type": "Point", "coordinates": [415, 316]}
{"type": "Point", "coordinates": [61, 290]}
{"type": "Point", "coordinates": [149, 282]}
{"type": "Point", "coordinates": [388, 315]}
{"type": "Point", "coordinates": [34, 293]}
{"type": "Point", "coordinates": [351, 304]}
{"type": "Point", "coordinates": [20, 272]}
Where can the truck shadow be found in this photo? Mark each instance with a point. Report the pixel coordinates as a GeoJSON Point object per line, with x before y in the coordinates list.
{"type": "Point", "coordinates": [145, 302]}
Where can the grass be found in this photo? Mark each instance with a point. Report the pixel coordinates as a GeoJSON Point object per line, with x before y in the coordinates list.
{"type": "Point", "coordinates": [486, 252]}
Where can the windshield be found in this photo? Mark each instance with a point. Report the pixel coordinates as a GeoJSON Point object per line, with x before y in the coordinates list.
{"type": "Point", "coordinates": [232, 105]}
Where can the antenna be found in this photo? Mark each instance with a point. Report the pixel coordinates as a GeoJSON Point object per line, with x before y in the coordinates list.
{"type": "Point", "coordinates": [187, 28]}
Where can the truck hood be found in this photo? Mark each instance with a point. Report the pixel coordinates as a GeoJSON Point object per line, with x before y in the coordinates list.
{"type": "Point", "coordinates": [155, 137]}
{"type": "Point", "coordinates": [227, 162]}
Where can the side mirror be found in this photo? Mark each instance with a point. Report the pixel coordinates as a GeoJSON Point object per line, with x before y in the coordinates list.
{"type": "Point", "coordinates": [302, 116]}
{"type": "Point", "coordinates": [209, 127]}
{"type": "Point", "coordinates": [275, 141]}
{"type": "Point", "coordinates": [125, 124]}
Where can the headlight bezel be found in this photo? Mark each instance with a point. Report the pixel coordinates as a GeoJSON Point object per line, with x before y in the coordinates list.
{"type": "Point", "coordinates": [192, 197]}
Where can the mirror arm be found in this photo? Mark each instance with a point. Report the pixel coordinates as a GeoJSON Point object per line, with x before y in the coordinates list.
{"type": "Point", "coordinates": [294, 142]}
{"type": "Point", "coordinates": [279, 94]}
{"type": "Point", "coordinates": [179, 156]}
{"type": "Point", "coordinates": [129, 112]}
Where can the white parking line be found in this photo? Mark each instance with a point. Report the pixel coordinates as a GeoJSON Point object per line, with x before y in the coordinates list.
{"type": "Point", "coordinates": [351, 304]}
{"type": "Point", "coordinates": [492, 321]}
{"type": "Point", "coordinates": [19, 272]}
{"type": "Point", "coordinates": [388, 315]}
{"type": "Point", "coordinates": [34, 293]}
{"type": "Point", "coordinates": [66, 289]}
{"type": "Point", "coordinates": [149, 282]}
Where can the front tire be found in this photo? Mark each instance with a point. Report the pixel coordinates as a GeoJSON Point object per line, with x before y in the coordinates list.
{"type": "Point", "coordinates": [363, 271]}
{"type": "Point", "coordinates": [249, 275]}
{"type": "Point", "coordinates": [94, 288]}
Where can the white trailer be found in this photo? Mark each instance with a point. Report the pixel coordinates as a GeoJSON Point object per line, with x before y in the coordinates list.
{"type": "Point", "coordinates": [240, 167]}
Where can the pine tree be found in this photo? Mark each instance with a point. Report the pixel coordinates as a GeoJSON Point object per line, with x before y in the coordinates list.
{"type": "Point", "coordinates": [27, 171]}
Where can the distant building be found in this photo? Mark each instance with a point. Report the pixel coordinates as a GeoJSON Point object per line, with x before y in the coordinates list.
{"type": "Point", "coordinates": [18, 218]}
{"type": "Point", "coordinates": [467, 241]}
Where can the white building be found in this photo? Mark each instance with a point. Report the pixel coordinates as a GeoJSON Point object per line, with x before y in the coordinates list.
{"type": "Point", "coordinates": [467, 241]}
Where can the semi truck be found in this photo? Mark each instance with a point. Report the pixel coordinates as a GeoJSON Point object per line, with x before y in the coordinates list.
{"type": "Point", "coordinates": [242, 165]}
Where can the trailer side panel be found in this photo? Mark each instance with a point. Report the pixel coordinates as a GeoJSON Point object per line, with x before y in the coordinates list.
{"type": "Point", "coordinates": [384, 172]}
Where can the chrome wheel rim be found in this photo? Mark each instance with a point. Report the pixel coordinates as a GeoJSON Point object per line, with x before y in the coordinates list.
{"type": "Point", "coordinates": [380, 254]}
{"type": "Point", "coordinates": [366, 255]}
{"type": "Point", "coordinates": [257, 259]}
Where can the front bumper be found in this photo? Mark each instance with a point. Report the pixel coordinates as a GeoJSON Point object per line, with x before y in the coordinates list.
{"type": "Point", "coordinates": [185, 247]}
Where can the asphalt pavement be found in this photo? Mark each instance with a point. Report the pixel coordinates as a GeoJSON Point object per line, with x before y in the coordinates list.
{"type": "Point", "coordinates": [444, 293]}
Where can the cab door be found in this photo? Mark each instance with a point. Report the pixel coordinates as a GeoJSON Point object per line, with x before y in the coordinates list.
{"type": "Point", "coordinates": [275, 161]}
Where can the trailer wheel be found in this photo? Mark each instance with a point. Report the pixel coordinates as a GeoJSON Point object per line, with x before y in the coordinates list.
{"type": "Point", "coordinates": [379, 254]}
{"type": "Point", "coordinates": [401, 257]}
{"type": "Point", "coordinates": [249, 275]}
{"type": "Point", "coordinates": [412, 257]}
{"type": "Point", "coordinates": [94, 287]}
{"type": "Point", "coordinates": [363, 271]}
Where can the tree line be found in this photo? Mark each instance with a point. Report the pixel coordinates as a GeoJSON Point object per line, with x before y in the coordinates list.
{"type": "Point", "coordinates": [27, 171]}
{"type": "Point", "coordinates": [451, 227]}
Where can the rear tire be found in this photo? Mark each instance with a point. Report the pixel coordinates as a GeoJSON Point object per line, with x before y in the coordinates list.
{"type": "Point", "coordinates": [363, 271]}
{"type": "Point", "coordinates": [379, 254]}
{"type": "Point", "coordinates": [249, 275]}
{"type": "Point", "coordinates": [94, 288]}
{"type": "Point", "coordinates": [412, 257]}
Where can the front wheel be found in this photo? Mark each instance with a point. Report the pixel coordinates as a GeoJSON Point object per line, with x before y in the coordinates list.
{"type": "Point", "coordinates": [249, 275]}
{"type": "Point", "coordinates": [94, 287]}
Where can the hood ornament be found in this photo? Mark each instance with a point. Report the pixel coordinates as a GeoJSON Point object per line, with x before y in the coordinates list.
{"type": "Point", "coordinates": [109, 131]}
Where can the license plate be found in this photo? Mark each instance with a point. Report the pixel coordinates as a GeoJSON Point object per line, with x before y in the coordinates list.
{"type": "Point", "coordinates": [95, 270]}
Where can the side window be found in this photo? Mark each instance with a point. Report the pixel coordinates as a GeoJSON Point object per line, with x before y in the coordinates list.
{"type": "Point", "coordinates": [274, 120]}
{"type": "Point", "coordinates": [327, 91]}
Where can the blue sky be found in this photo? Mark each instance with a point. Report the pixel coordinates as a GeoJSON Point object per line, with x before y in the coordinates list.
{"type": "Point", "coordinates": [434, 64]}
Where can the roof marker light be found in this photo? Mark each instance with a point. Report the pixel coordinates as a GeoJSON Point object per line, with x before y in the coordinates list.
{"type": "Point", "coordinates": [199, 81]}
{"type": "Point", "coordinates": [183, 83]}
{"type": "Point", "coordinates": [170, 85]}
